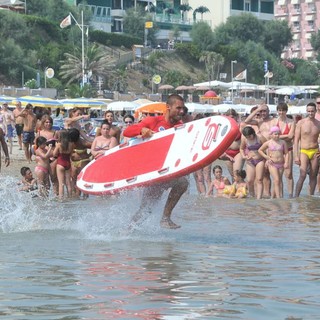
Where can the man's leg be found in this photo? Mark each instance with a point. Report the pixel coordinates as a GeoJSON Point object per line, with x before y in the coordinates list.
{"type": "Point", "coordinates": [149, 197]}
{"type": "Point", "coordinates": [304, 162]}
{"type": "Point", "coordinates": [178, 189]}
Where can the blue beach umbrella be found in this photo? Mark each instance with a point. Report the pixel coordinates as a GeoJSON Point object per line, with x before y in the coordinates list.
{"type": "Point", "coordinates": [82, 103]}
{"type": "Point", "coordinates": [4, 98]}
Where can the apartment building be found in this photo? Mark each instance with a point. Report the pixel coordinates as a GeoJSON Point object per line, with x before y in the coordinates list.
{"type": "Point", "coordinates": [304, 18]}
{"type": "Point", "coordinates": [221, 10]}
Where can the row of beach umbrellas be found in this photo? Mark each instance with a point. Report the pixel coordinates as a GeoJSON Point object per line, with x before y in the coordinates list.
{"type": "Point", "coordinates": [46, 102]}
{"type": "Point", "coordinates": [166, 87]}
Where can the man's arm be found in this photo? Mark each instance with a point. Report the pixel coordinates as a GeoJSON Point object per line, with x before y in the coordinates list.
{"type": "Point", "coordinates": [297, 136]}
{"type": "Point", "coordinates": [142, 128]}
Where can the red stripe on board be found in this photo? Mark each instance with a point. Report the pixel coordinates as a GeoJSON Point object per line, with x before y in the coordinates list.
{"type": "Point", "coordinates": [129, 162]}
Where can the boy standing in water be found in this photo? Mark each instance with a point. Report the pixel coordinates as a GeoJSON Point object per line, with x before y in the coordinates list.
{"type": "Point", "coordinates": [145, 129]}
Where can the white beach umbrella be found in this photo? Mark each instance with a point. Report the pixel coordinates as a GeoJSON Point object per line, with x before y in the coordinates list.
{"type": "Point", "coordinates": [121, 105]}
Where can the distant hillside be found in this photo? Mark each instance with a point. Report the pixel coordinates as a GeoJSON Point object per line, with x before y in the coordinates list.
{"type": "Point", "coordinates": [139, 78]}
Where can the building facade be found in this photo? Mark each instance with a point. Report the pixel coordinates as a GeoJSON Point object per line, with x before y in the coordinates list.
{"type": "Point", "coordinates": [304, 18]}
{"type": "Point", "coordinates": [221, 10]}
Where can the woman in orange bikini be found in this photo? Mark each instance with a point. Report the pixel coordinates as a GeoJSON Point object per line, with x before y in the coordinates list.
{"type": "Point", "coordinates": [103, 142]}
{"type": "Point", "coordinates": [219, 182]}
{"type": "Point", "coordinates": [287, 127]}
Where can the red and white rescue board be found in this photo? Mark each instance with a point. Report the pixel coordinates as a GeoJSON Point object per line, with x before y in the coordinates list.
{"type": "Point", "coordinates": [166, 155]}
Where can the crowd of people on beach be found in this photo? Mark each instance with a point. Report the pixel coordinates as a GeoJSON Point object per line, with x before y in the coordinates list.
{"type": "Point", "coordinates": [264, 151]}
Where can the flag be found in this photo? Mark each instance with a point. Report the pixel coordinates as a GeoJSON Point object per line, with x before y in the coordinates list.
{"type": "Point", "coordinates": [66, 22]}
{"type": "Point", "coordinates": [269, 74]}
{"type": "Point", "coordinates": [242, 75]}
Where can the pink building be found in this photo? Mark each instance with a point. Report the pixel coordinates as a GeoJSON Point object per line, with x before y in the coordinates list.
{"type": "Point", "coordinates": [304, 18]}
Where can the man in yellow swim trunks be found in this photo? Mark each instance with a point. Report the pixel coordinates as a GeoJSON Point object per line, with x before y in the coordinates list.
{"type": "Point", "coordinates": [306, 136]}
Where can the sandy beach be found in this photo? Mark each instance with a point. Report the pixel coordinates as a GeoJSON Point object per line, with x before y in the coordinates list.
{"type": "Point", "coordinates": [17, 160]}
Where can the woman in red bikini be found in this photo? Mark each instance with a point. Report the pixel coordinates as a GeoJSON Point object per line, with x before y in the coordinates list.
{"type": "Point", "coordinates": [287, 127]}
{"type": "Point", "coordinates": [63, 151]}
{"type": "Point", "coordinates": [232, 156]}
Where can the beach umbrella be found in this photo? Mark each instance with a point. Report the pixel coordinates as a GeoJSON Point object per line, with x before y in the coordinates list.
{"type": "Point", "coordinates": [287, 91]}
{"type": "Point", "coordinates": [7, 99]}
{"type": "Point", "coordinates": [153, 107]}
{"type": "Point", "coordinates": [39, 101]}
{"type": "Point", "coordinates": [82, 103]}
{"type": "Point", "coordinates": [182, 88]}
{"type": "Point", "coordinates": [166, 87]}
{"type": "Point", "coordinates": [196, 107]}
{"type": "Point", "coordinates": [202, 88]}
{"type": "Point", "coordinates": [121, 105]}
{"type": "Point", "coordinates": [297, 110]}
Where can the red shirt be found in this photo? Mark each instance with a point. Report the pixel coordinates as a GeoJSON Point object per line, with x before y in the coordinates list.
{"type": "Point", "coordinates": [156, 124]}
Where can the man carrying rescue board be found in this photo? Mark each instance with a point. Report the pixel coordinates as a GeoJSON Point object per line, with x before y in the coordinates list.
{"type": "Point", "coordinates": [145, 129]}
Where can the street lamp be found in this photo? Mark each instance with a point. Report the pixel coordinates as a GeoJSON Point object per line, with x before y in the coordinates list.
{"type": "Point", "coordinates": [232, 62]}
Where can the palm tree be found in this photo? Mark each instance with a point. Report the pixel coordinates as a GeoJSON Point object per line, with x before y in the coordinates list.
{"type": "Point", "coordinates": [213, 62]}
{"type": "Point", "coordinates": [184, 8]}
{"type": "Point", "coordinates": [201, 10]}
{"type": "Point", "coordinates": [96, 62]}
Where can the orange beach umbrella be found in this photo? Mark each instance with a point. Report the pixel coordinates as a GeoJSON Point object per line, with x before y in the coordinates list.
{"type": "Point", "coordinates": [153, 107]}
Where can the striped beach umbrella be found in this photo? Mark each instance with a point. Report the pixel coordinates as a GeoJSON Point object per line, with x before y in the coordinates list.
{"type": "Point", "coordinates": [39, 101]}
{"type": "Point", "coordinates": [4, 98]}
{"type": "Point", "coordinates": [82, 103]}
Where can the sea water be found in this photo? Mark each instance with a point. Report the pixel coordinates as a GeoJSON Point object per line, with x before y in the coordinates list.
{"type": "Point", "coordinates": [232, 259]}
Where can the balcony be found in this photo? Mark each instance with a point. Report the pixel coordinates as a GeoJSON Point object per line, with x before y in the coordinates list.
{"type": "Point", "coordinates": [281, 13]}
{"type": "Point", "coordinates": [120, 13]}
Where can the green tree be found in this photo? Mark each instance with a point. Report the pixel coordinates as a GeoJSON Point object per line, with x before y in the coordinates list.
{"type": "Point", "coordinates": [134, 24]}
{"type": "Point", "coordinates": [184, 8]}
{"type": "Point", "coordinates": [277, 35]}
{"type": "Point", "coordinates": [244, 27]}
{"type": "Point", "coordinates": [95, 62]}
{"type": "Point", "coordinates": [76, 91]}
{"type": "Point", "coordinates": [202, 36]}
{"type": "Point", "coordinates": [315, 43]}
{"type": "Point", "coordinates": [201, 10]}
{"type": "Point", "coordinates": [213, 62]}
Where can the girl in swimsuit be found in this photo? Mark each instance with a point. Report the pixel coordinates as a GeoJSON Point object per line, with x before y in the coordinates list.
{"type": "Point", "coordinates": [52, 137]}
{"type": "Point", "coordinates": [275, 151]}
{"type": "Point", "coordinates": [103, 142]}
{"type": "Point", "coordinates": [63, 152]}
{"type": "Point", "coordinates": [43, 154]}
{"type": "Point", "coordinates": [219, 182]}
{"type": "Point", "coordinates": [250, 144]}
{"type": "Point", "coordinates": [240, 186]}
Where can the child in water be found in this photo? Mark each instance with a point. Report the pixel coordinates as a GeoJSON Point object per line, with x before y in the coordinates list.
{"type": "Point", "coordinates": [43, 154]}
{"type": "Point", "coordinates": [28, 182]}
{"type": "Point", "coordinates": [218, 183]}
{"type": "Point", "coordinates": [275, 151]}
{"type": "Point", "coordinates": [240, 186]}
